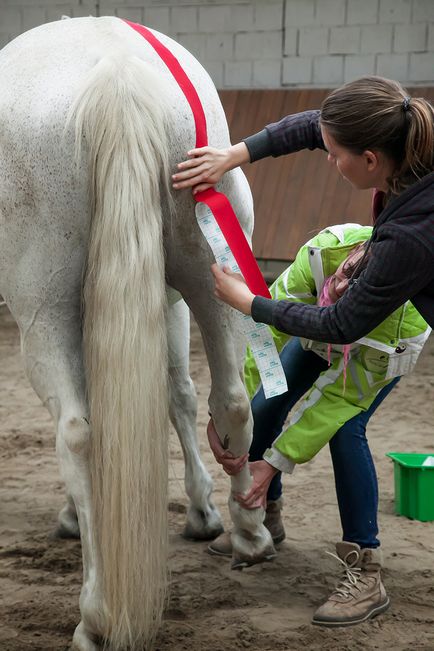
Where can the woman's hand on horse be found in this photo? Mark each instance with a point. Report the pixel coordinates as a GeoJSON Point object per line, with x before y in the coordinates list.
{"type": "Point", "coordinates": [231, 465]}
{"type": "Point", "coordinates": [262, 473]}
{"type": "Point", "coordinates": [232, 289]}
{"type": "Point", "coordinates": [203, 169]}
{"type": "Point", "coordinates": [206, 165]}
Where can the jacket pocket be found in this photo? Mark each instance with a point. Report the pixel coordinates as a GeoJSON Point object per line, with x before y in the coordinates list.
{"type": "Point", "coordinates": [402, 361]}
{"type": "Point", "coordinates": [374, 360]}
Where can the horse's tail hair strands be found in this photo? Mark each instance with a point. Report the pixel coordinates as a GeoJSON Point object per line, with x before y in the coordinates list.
{"type": "Point", "coordinates": [120, 125]}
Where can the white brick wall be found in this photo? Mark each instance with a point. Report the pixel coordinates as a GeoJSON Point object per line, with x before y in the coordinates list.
{"type": "Point", "coordinates": [421, 67]}
{"type": "Point", "coordinates": [158, 17]}
{"type": "Point", "coordinates": [238, 74]}
{"type": "Point", "coordinates": [376, 38]}
{"type": "Point", "coordinates": [299, 14]}
{"type": "Point", "coordinates": [410, 38]}
{"type": "Point", "coordinates": [297, 71]}
{"type": "Point", "coordinates": [258, 45]}
{"type": "Point", "coordinates": [267, 73]}
{"type": "Point", "coordinates": [270, 43]}
{"type": "Point", "coordinates": [291, 41]}
{"type": "Point", "coordinates": [344, 40]}
{"type": "Point", "coordinates": [431, 38]}
{"type": "Point", "coordinates": [362, 13]}
{"type": "Point", "coordinates": [330, 68]}
{"type": "Point", "coordinates": [395, 11]}
{"type": "Point", "coordinates": [423, 10]}
{"type": "Point", "coordinates": [358, 65]}
{"type": "Point", "coordinates": [184, 19]}
{"type": "Point", "coordinates": [219, 47]}
{"type": "Point", "coordinates": [330, 12]}
{"type": "Point", "coordinates": [269, 15]}
{"type": "Point", "coordinates": [394, 66]}
{"type": "Point", "coordinates": [313, 40]}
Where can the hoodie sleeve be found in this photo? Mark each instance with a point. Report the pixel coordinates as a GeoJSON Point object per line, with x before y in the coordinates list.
{"type": "Point", "coordinates": [291, 134]}
{"type": "Point", "coordinates": [399, 268]}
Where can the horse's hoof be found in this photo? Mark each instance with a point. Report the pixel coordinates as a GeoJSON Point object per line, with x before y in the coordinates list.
{"type": "Point", "coordinates": [249, 549]}
{"type": "Point", "coordinates": [66, 533]}
{"type": "Point", "coordinates": [240, 563]}
{"type": "Point", "coordinates": [192, 534]}
{"type": "Point", "coordinates": [202, 525]}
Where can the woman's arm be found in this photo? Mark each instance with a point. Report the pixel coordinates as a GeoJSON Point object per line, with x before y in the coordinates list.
{"type": "Point", "coordinates": [206, 165]}
{"type": "Point", "coordinates": [398, 269]}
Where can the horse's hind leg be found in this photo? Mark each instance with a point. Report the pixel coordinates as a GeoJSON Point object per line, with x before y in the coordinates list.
{"type": "Point", "coordinates": [189, 271]}
{"type": "Point", "coordinates": [51, 342]}
{"type": "Point", "coordinates": [229, 405]}
{"type": "Point", "coordinates": [203, 518]}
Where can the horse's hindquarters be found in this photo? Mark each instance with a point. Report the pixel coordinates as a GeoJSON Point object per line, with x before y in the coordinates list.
{"type": "Point", "coordinates": [109, 212]}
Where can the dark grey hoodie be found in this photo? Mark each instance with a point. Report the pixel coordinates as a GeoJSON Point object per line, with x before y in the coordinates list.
{"type": "Point", "coordinates": [400, 267]}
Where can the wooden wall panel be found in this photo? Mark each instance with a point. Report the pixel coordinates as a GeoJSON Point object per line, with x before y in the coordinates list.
{"type": "Point", "coordinates": [295, 196]}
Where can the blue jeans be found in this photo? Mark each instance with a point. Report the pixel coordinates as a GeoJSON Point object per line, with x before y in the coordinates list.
{"type": "Point", "coordinates": [355, 476]}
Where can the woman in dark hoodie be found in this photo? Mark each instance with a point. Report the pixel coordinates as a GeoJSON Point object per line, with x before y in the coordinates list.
{"type": "Point", "coordinates": [378, 137]}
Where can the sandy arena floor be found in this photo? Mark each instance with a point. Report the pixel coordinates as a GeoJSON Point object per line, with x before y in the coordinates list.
{"type": "Point", "coordinates": [265, 608]}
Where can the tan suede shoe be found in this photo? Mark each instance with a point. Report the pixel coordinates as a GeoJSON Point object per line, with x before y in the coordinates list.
{"type": "Point", "coordinates": [222, 545]}
{"type": "Point", "coordinates": [359, 594]}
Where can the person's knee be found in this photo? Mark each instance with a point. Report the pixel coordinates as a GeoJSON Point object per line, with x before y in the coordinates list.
{"type": "Point", "coordinates": [349, 434]}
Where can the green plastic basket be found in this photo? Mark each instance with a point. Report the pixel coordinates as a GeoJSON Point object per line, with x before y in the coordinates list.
{"type": "Point", "coordinates": [414, 485]}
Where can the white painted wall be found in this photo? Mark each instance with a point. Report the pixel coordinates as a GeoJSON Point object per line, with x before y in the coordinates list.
{"type": "Point", "coordinates": [271, 43]}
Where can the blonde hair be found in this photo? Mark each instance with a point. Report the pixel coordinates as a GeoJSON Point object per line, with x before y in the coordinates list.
{"type": "Point", "coordinates": [378, 114]}
{"type": "Point", "coordinates": [120, 115]}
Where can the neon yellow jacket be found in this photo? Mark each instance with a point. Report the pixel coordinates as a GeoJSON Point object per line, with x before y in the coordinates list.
{"type": "Point", "coordinates": [390, 350]}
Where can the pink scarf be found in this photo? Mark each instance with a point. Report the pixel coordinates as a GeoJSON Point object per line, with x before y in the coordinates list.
{"type": "Point", "coordinates": [324, 301]}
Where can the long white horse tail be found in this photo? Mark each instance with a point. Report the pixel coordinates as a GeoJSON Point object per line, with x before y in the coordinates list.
{"type": "Point", "coordinates": [120, 120]}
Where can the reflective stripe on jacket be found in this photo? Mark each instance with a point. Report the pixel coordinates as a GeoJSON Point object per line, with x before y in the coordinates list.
{"type": "Point", "coordinates": [388, 351]}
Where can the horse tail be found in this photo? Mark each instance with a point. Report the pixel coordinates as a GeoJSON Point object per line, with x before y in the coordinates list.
{"type": "Point", "coordinates": [120, 119]}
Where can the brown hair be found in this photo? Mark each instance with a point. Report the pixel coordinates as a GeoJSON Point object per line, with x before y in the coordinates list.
{"type": "Point", "coordinates": [376, 113]}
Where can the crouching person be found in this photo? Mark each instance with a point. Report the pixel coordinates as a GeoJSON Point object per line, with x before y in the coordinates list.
{"type": "Point", "coordinates": [342, 386]}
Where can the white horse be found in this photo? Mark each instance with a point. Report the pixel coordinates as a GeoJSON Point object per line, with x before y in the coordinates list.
{"type": "Point", "coordinates": [203, 518]}
{"type": "Point", "coordinates": [91, 127]}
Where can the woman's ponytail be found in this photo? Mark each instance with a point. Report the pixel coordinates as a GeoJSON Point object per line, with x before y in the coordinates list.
{"type": "Point", "coordinates": [419, 145]}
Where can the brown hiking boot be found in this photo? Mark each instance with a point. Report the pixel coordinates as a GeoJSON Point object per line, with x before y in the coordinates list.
{"type": "Point", "coordinates": [273, 521]}
{"type": "Point", "coordinates": [359, 594]}
{"type": "Point", "coordinates": [222, 545]}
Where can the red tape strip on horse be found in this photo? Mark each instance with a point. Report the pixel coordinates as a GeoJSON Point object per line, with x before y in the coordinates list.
{"type": "Point", "coordinates": [217, 202]}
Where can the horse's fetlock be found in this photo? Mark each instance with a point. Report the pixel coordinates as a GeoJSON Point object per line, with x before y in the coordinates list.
{"type": "Point", "coordinates": [93, 612]}
{"type": "Point", "coordinates": [246, 519]}
{"type": "Point", "coordinates": [198, 486]}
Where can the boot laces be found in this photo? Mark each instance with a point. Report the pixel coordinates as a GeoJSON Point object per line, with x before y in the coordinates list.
{"type": "Point", "coordinates": [351, 575]}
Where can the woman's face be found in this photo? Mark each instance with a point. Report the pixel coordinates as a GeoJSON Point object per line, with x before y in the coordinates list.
{"type": "Point", "coordinates": [338, 282]}
{"type": "Point", "coordinates": [363, 171]}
